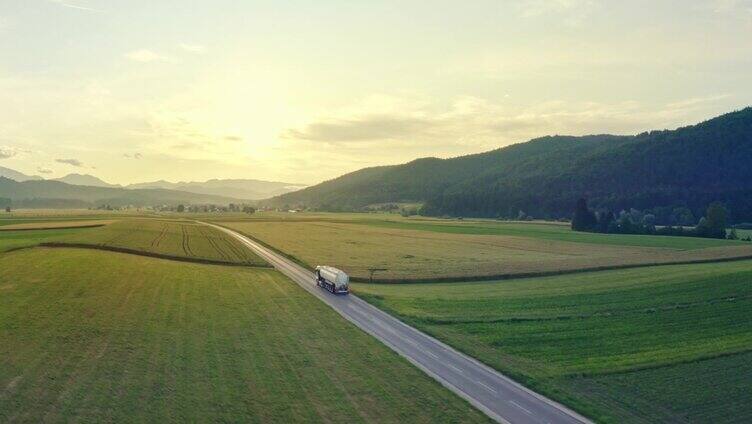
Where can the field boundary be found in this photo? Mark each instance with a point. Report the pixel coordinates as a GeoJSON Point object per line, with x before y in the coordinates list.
{"type": "Point", "coordinates": [541, 273]}
{"type": "Point", "coordinates": [477, 278]}
{"type": "Point", "coordinates": [52, 228]}
{"type": "Point", "coordinates": [147, 254]}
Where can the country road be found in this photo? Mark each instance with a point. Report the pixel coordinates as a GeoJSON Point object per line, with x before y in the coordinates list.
{"type": "Point", "coordinates": [490, 391]}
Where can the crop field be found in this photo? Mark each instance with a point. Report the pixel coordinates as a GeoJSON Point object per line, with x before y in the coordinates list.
{"type": "Point", "coordinates": [179, 239]}
{"type": "Point", "coordinates": [10, 240]}
{"type": "Point", "coordinates": [94, 336]}
{"type": "Point", "coordinates": [430, 249]}
{"type": "Point", "coordinates": [654, 344]}
{"type": "Point", "coordinates": [49, 225]}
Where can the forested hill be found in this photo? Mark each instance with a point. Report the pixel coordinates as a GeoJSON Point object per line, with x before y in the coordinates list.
{"type": "Point", "coordinates": [691, 166]}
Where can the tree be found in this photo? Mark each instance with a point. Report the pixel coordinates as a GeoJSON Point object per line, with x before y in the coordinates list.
{"type": "Point", "coordinates": [249, 210]}
{"type": "Point", "coordinates": [732, 235]}
{"type": "Point", "coordinates": [181, 208]}
{"type": "Point", "coordinates": [7, 209]}
{"type": "Point", "coordinates": [605, 221]}
{"type": "Point", "coordinates": [713, 224]}
{"type": "Point", "coordinates": [584, 219]}
{"type": "Point", "coordinates": [648, 223]}
{"type": "Point", "coordinates": [683, 216]}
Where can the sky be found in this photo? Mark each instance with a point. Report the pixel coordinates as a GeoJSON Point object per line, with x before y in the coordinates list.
{"type": "Point", "coordinates": [305, 91]}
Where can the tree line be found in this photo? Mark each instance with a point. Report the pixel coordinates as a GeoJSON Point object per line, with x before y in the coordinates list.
{"type": "Point", "coordinates": [712, 225]}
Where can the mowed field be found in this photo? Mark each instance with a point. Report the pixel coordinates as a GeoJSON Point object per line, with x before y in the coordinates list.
{"type": "Point", "coordinates": [49, 225]}
{"type": "Point", "coordinates": [17, 239]}
{"type": "Point", "coordinates": [644, 345]}
{"type": "Point", "coordinates": [95, 336]}
{"type": "Point", "coordinates": [433, 249]}
{"type": "Point", "coordinates": [172, 238]}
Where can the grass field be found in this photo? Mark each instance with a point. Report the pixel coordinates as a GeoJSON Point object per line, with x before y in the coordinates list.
{"type": "Point", "coordinates": [655, 344]}
{"type": "Point", "coordinates": [434, 249]}
{"type": "Point", "coordinates": [18, 239]}
{"type": "Point", "coordinates": [175, 238]}
{"type": "Point", "coordinates": [49, 225]}
{"type": "Point", "coordinates": [92, 336]}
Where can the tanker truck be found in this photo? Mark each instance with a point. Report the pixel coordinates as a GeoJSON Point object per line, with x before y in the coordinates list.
{"type": "Point", "coordinates": [332, 279]}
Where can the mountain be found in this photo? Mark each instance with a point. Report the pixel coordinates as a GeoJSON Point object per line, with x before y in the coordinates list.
{"type": "Point", "coordinates": [17, 176]}
{"type": "Point", "coordinates": [46, 193]}
{"type": "Point", "coordinates": [84, 180]}
{"type": "Point", "coordinates": [236, 188]}
{"type": "Point", "coordinates": [687, 167]}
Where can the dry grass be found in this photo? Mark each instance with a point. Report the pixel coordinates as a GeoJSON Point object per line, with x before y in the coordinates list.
{"type": "Point", "coordinates": [411, 254]}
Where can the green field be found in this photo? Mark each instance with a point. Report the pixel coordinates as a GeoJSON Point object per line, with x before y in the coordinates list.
{"type": "Point", "coordinates": [174, 238]}
{"type": "Point", "coordinates": [418, 249]}
{"type": "Point", "coordinates": [654, 344]}
{"type": "Point", "coordinates": [19, 239]}
{"type": "Point", "coordinates": [92, 336]}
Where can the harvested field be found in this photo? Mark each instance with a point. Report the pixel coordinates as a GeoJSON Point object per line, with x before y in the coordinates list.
{"type": "Point", "coordinates": [410, 254]}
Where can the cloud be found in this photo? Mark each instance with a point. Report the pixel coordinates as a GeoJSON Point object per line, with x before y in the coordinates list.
{"type": "Point", "coordinates": [532, 8]}
{"type": "Point", "coordinates": [136, 155]}
{"type": "Point", "coordinates": [72, 162]}
{"type": "Point", "coordinates": [8, 152]}
{"type": "Point", "coordinates": [193, 48]}
{"type": "Point", "coordinates": [571, 13]}
{"type": "Point", "coordinates": [74, 6]}
{"type": "Point", "coordinates": [365, 128]}
{"type": "Point", "coordinates": [233, 138]}
{"type": "Point", "coordinates": [44, 170]}
{"type": "Point", "coordinates": [474, 124]}
{"type": "Point", "coordinates": [145, 56]}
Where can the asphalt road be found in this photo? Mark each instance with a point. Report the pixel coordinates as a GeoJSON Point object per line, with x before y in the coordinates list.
{"type": "Point", "coordinates": [501, 398]}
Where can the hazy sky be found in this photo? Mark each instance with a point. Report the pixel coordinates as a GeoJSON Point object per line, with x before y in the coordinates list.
{"type": "Point", "coordinates": [303, 91]}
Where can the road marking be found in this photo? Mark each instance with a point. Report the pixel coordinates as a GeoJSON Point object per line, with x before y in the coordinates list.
{"type": "Point", "coordinates": [487, 386]}
{"type": "Point", "coordinates": [455, 368]}
{"type": "Point", "coordinates": [521, 407]}
{"type": "Point", "coordinates": [435, 356]}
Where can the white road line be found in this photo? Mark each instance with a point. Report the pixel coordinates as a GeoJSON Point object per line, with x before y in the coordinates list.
{"type": "Point", "coordinates": [455, 368]}
{"type": "Point", "coordinates": [487, 386]}
{"type": "Point", "coordinates": [431, 354]}
{"type": "Point", "coordinates": [521, 407]}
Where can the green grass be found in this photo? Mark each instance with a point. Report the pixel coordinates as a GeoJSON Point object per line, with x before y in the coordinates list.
{"type": "Point", "coordinates": [92, 336]}
{"type": "Point", "coordinates": [556, 232]}
{"type": "Point", "coordinates": [176, 238]}
{"type": "Point", "coordinates": [18, 239]}
{"type": "Point", "coordinates": [584, 338]}
{"type": "Point", "coordinates": [435, 250]}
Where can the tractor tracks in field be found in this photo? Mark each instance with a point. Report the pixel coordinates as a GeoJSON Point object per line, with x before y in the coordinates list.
{"type": "Point", "coordinates": [214, 244]}
{"type": "Point", "coordinates": [186, 242]}
{"type": "Point", "coordinates": [158, 239]}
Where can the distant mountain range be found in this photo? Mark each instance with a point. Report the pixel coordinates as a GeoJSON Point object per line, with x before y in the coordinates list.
{"type": "Point", "coordinates": [57, 194]}
{"type": "Point", "coordinates": [84, 180]}
{"type": "Point", "coordinates": [17, 176]}
{"type": "Point", "coordinates": [87, 191]}
{"type": "Point", "coordinates": [237, 188]}
{"type": "Point", "coordinates": [687, 167]}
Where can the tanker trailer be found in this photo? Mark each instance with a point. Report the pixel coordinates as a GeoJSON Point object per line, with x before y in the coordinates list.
{"type": "Point", "coordinates": [332, 279]}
